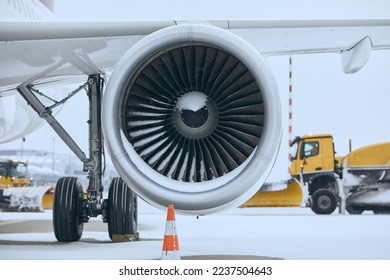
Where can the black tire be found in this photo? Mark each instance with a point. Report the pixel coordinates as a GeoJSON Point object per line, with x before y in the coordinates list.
{"type": "Point", "coordinates": [354, 210]}
{"type": "Point", "coordinates": [122, 209]}
{"type": "Point", "coordinates": [68, 197]}
{"type": "Point", "coordinates": [324, 202]}
{"type": "Point", "coordinates": [382, 211]}
{"type": "Point", "coordinates": [5, 201]}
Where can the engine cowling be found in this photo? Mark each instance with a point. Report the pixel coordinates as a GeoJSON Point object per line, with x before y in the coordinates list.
{"type": "Point", "coordinates": [191, 116]}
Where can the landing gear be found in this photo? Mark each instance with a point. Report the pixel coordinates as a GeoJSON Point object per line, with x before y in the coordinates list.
{"type": "Point", "coordinates": [68, 199]}
{"type": "Point", "coordinates": [122, 211]}
{"type": "Point", "coordinates": [71, 209]}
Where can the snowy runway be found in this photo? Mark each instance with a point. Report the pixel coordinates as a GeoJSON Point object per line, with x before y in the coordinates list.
{"type": "Point", "coordinates": [287, 233]}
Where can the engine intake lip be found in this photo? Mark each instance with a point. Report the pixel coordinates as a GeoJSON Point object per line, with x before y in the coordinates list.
{"type": "Point", "coordinates": [231, 189]}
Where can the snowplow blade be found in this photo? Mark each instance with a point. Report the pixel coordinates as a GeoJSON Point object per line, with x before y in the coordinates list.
{"type": "Point", "coordinates": [283, 194]}
{"type": "Point", "coordinates": [29, 199]}
{"type": "Point", "coordinates": [48, 198]}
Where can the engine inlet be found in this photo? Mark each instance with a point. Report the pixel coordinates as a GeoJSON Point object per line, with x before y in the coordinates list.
{"type": "Point", "coordinates": [193, 113]}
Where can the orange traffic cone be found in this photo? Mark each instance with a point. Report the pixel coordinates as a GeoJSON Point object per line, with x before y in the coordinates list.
{"type": "Point", "coordinates": [170, 250]}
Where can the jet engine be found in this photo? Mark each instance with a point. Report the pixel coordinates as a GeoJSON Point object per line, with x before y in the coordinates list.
{"type": "Point", "coordinates": [191, 117]}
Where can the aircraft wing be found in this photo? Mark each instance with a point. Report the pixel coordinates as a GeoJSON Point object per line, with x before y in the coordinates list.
{"type": "Point", "coordinates": [53, 51]}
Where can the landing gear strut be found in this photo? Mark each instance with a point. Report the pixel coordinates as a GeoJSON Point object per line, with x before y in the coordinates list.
{"type": "Point", "coordinates": [71, 208]}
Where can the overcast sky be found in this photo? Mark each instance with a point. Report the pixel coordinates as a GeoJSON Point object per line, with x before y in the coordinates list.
{"type": "Point", "coordinates": [220, 9]}
{"type": "Point", "coordinates": [325, 99]}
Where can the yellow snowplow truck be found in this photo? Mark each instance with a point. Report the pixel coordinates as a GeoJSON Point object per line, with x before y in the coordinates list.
{"type": "Point", "coordinates": [357, 182]}
{"type": "Point", "coordinates": [13, 174]}
{"type": "Point", "coordinates": [16, 193]}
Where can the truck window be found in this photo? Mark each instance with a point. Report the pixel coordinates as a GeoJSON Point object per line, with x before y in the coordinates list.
{"type": "Point", "coordinates": [310, 149]}
{"type": "Point", "coordinates": [19, 170]}
{"type": "Point", "coordinates": [3, 169]}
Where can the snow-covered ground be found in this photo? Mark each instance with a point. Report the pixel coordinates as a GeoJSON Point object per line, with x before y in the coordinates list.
{"type": "Point", "coordinates": [288, 233]}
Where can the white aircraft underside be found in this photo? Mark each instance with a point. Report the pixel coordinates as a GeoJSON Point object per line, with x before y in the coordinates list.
{"type": "Point", "coordinates": [49, 54]}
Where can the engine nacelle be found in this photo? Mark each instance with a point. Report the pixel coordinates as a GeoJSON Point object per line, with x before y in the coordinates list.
{"type": "Point", "coordinates": [192, 117]}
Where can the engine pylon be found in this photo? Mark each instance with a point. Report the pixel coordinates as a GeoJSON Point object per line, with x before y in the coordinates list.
{"type": "Point", "coordinates": [170, 250]}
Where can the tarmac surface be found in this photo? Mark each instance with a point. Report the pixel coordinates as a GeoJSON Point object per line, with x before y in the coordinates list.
{"type": "Point", "coordinates": [237, 234]}
{"type": "Point", "coordinates": [45, 226]}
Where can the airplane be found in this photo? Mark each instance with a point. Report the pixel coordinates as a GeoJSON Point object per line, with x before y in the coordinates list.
{"type": "Point", "coordinates": [189, 112]}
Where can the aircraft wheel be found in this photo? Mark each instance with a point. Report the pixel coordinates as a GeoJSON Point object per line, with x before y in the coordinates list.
{"type": "Point", "coordinates": [324, 202]}
{"type": "Point", "coordinates": [68, 197]}
{"type": "Point", "coordinates": [122, 209]}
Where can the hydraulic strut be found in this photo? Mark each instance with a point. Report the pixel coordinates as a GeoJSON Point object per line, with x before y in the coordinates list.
{"type": "Point", "coordinates": [93, 164]}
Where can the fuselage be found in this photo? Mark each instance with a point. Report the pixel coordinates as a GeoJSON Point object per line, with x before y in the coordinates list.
{"type": "Point", "coordinates": [16, 118]}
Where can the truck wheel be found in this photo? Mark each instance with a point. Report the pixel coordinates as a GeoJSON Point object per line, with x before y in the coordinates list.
{"type": "Point", "coordinates": [68, 197]}
{"type": "Point", "coordinates": [381, 211]}
{"type": "Point", "coordinates": [354, 210]}
{"type": "Point", "coordinates": [324, 202]}
{"type": "Point", "coordinates": [122, 209]}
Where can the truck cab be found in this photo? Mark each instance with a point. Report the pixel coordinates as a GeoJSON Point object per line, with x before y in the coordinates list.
{"type": "Point", "coordinates": [315, 153]}
{"type": "Point", "coordinates": [314, 163]}
{"type": "Point", "coordinates": [13, 174]}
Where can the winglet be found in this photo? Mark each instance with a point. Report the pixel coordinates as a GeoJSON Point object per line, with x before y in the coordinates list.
{"type": "Point", "coordinates": [357, 56]}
